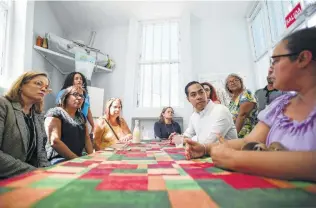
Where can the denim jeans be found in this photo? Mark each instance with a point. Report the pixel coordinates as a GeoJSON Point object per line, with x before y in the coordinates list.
{"type": "Point", "coordinates": [57, 160]}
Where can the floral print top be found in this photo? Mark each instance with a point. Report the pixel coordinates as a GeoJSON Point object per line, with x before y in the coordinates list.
{"type": "Point", "coordinates": [250, 121]}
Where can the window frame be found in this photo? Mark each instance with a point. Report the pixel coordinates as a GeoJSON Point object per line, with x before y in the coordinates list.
{"type": "Point", "coordinates": [5, 6]}
{"type": "Point", "coordinates": [270, 43]}
{"type": "Point", "coordinates": [275, 40]}
{"type": "Point", "coordinates": [257, 8]}
{"type": "Point", "coordinates": [169, 61]}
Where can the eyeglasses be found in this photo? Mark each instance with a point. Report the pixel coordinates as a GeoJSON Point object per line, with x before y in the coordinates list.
{"type": "Point", "coordinates": [233, 81]}
{"type": "Point", "coordinates": [76, 94]}
{"type": "Point", "coordinates": [40, 85]}
{"type": "Point", "coordinates": [273, 59]}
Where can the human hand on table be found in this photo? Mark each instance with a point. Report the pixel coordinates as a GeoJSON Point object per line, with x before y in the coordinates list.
{"type": "Point", "coordinates": [126, 138]}
{"type": "Point", "coordinates": [171, 136]}
{"type": "Point", "coordinates": [193, 149]}
{"type": "Point", "coordinates": [223, 156]}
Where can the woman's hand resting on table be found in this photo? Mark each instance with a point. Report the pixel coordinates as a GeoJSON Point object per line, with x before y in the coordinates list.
{"type": "Point", "coordinates": [223, 156]}
{"type": "Point", "coordinates": [126, 138]}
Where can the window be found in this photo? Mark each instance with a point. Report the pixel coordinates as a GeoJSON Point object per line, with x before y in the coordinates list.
{"type": "Point", "coordinates": [4, 5]}
{"type": "Point", "coordinates": [277, 12]}
{"type": "Point", "coordinates": [290, 4]}
{"type": "Point", "coordinates": [312, 21]}
{"type": "Point", "coordinates": [159, 65]}
{"type": "Point", "coordinates": [259, 33]}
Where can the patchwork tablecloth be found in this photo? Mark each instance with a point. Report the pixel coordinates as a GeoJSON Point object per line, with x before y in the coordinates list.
{"type": "Point", "coordinates": [149, 175]}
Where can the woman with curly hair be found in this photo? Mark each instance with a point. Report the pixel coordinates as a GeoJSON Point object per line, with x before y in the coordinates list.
{"type": "Point", "coordinates": [243, 105]}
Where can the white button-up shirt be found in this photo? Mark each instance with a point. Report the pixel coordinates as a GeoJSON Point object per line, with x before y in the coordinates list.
{"type": "Point", "coordinates": [213, 119]}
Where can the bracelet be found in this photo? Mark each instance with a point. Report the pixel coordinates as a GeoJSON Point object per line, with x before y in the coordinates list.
{"type": "Point", "coordinates": [204, 149]}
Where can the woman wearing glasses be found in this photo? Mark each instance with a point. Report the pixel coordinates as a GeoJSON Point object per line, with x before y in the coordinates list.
{"type": "Point", "coordinates": [22, 134]}
{"type": "Point", "coordinates": [289, 120]}
{"type": "Point", "coordinates": [66, 127]}
{"type": "Point", "coordinates": [78, 79]}
{"type": "Point", "coordinates": [243, 105]}
{"type": "Point", "coordinates": [210, 92]}
{"type": "Point", "coordinates": [111, 128]}
{"type": "Point", "coordinates": [166, 127]}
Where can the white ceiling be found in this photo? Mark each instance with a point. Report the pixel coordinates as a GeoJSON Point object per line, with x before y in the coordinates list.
{"type": "Point", "coordinates": [101, 14]}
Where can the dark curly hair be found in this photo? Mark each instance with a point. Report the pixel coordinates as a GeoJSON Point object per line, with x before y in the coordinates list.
{"type": "Point", "coordinates": [69, 81]}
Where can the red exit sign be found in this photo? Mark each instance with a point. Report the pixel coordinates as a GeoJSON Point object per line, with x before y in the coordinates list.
{"type": "Point", "coordinates": [291, 17]}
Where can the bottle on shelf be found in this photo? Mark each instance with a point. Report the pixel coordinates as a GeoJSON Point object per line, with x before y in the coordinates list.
{"type": "Point", "coordinates": [45, 41]}
{"type": "Point", "coordinates": [39, 41]}
{"type": "Point", "coordinates": [136, 133]}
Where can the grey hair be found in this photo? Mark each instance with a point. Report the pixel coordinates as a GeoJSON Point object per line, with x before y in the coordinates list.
{"type": "Point", "coordinates": [236, 76]}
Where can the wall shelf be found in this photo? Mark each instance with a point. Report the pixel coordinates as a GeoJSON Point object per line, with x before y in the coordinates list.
{"type": "Point", "coordinates": [65, 64]}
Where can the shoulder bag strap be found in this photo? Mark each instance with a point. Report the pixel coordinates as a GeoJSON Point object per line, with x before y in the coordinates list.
{"type": "Point", "coordinates": [112, 129]}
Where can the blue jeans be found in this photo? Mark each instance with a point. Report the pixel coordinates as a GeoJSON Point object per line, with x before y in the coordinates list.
{"type": "Point", "coordinates": [57, 160]}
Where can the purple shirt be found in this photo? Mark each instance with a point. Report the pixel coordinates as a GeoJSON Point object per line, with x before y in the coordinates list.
{"type": "Point", "coordinates": [294, 135]}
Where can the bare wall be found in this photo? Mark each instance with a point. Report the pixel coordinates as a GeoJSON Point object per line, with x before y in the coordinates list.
{"type": "Point", "coordinates": [45, 21]}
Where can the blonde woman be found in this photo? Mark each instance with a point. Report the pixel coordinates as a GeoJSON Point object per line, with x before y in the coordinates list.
{"type": "Point", "coordinates": [111, 127]}
{"type": "Point", "coordinates": [22, 134]}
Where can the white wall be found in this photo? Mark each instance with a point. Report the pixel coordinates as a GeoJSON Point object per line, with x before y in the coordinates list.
{"type": "Point", "coordinates": [196, 44]}
{"type": "Point", "coordinates": [222, 47]}
{"type": "Point", "coordinates": [27, 20]}
{"type": "Point", "coordinates": [112, 41]}
{"type": "Point", "coordinates": [45, 21]}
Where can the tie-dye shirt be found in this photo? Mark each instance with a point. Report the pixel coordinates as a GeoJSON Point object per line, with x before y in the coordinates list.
{"type": "Point", "coordinates": [250, 121]}
{"type": "Point", "coordinates": [293, 135]}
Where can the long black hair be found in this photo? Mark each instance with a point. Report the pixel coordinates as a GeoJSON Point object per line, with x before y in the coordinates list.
{"type": "Point", "coordinates": [66, 93]}
{"type": "Point", "coordinates": [304, 39]}
{"type": "Point", "coordinates": [69, 81]}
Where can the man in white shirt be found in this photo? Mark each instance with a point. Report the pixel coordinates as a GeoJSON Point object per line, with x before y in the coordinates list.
{"type": "Point", "coordinates": [209, 119]}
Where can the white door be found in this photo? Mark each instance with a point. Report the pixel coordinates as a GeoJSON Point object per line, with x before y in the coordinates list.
{"type": "Point", "coordinates": [96, 101]}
